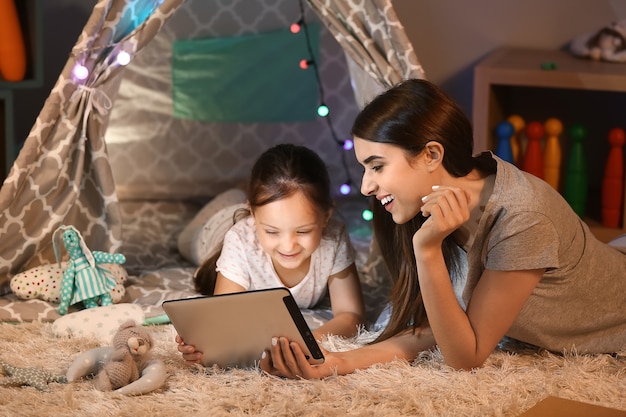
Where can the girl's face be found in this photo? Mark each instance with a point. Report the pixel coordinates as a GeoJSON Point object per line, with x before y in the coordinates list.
{"type": "Point", "coordinates": [289, 230]}
{"type": "Point", "coordinates": [397, 183]}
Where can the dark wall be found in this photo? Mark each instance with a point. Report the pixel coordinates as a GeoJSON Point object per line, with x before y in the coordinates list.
{"type": "Point", "coordinates": [63, 20]}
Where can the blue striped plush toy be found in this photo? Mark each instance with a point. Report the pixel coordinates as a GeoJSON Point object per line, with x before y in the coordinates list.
{"type": "Point", "coordinates": [84, 280]}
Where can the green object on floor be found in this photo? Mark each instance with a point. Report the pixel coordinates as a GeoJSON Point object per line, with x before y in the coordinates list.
{"type": "Point", "coordinates": [162, 319]}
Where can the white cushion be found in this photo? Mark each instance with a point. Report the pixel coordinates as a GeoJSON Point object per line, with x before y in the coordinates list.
{"type": "Point", "coordinates": [99, 322]}
{"type": "Point", "coordinates": [211, 221]}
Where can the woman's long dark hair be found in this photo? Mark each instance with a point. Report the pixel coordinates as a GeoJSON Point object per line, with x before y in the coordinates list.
{"type": "Point", "coordinates": [409, 115]}
{"type": "Point", "coordinates": [278, 173]}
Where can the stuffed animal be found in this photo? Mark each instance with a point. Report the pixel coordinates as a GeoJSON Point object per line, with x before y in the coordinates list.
{"type": "Point", "coordinates": [35, 377]}
{"type": "Point", "coordinates": [132, 343]}
{"type": "Point", "coordinates": [607, 44]}
{"type": "Point", "coordinates": [84, 279]}
{"type": "Point", "coordinates": [111, 366]}
{"type": "Point", "coordinates": [44, 282]}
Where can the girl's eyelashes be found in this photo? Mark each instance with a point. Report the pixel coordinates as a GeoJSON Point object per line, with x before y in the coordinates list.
{"type": "Point", "coordinates": [377, 168]}
{"type": "Point", "coordinates": [300, 232]}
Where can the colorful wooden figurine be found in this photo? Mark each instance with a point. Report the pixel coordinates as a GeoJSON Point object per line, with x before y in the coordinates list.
{"type": "Point", "coordinates": [576, 176]}
{"type": "Point", "coordinates": [552, 152]}
{"type": "Point", "coordinates": [517, 145]}
{"type": "Point", "coordinates": [504, 132]}
{"type": "Point", "coordinates": [613, 180]}
{"type": "Point", "coordinates": [533, 157]}
{"type": "Point", "coordinates": [12, 48]}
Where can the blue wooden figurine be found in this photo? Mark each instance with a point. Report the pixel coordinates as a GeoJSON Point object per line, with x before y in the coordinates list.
{"type": "Point", "coordinates": [505, 131]}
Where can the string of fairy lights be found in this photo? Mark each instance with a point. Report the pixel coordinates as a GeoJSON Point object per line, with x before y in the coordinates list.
{"type": "Point", "coordinates": [309, 63]}
{"type": "Point", "coordinates": [119, 55]}
{"type": "Point", "coordinates": [117, 52]}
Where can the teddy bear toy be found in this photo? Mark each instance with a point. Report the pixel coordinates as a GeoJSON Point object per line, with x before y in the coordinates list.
{"type": "Point", "coordinates": [131, 345]}
{"type": "Point", "coordinates": [84, 278]}
{"type": "Point", "coordinates": [125, 367]}
{"type": "Point", "coordinates": [606, 44]}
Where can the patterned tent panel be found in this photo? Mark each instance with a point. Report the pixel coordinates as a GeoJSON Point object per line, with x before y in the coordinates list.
{"type": "Point", "coordinates": [373, 36]}
{"type": "Point", "coordinates": [62, 175]}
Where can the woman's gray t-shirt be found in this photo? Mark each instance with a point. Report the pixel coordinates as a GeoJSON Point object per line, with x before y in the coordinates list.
{"type": "Point", "coordinates": [580, 303]}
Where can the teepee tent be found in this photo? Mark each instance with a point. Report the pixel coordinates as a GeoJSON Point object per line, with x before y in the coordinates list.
{"type": "Point", "coordinates": [380, 54]}
{"type": "Point", "coordinates": [87, 148]}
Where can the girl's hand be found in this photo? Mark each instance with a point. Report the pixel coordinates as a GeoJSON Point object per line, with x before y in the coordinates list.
{"type": "Point", "coordinates": [286, 359]}
{"type": "Point", "coordinates": [446, 209]}
{"type": "Point", "coordinates": [190, 354]}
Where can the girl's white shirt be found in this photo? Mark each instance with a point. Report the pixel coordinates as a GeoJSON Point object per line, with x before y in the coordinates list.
{"type": "Point", "coordinates": [244, 261]}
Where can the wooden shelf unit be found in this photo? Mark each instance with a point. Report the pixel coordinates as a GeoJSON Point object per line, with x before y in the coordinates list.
{"type": "Point", "coordinates": [30, 13]}
{"type": "Point", "coordinates": [539, 84]}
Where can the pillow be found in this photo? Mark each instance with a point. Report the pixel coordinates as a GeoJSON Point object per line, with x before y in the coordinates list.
{"type": "Point", "coordinates": [100, 322]}
{"type": "Point", "coordinates": [207, 224]}
{"type": "Point", "coordinates": [209, 239]}
{"type": "Point", "coordinates": [44, 282]}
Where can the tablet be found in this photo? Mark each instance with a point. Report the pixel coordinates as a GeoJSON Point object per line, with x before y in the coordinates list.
{"type": "Point", "coordinates": [233, 330]}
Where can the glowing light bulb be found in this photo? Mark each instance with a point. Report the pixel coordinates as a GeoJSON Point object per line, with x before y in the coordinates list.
{"type": "Point", "coordinates": [367, 215]}
{"type": "Point", "coordinates": [123, 58]}
{"type": "Point", "coordinates": [80, 72]}
{"type": "Point", "coordinates": [295, 28]}
{"type": "Point", "coordinates": [348, 144]}
{"type": "Point", "coordinates": [345, 189]}
{"type": "Point", "coordinates": [322, 110]}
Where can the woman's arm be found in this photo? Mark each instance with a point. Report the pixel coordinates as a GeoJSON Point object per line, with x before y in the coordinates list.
{"type": "Point", "coordinates": [346, 299]}
{"type": "Point", "coordinates": [287, 359]}
{"type": "Point", "coordinates": [466, 338]}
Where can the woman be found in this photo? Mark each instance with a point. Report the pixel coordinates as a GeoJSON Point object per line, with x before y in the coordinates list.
{"type": "Point", "coordinates": [530, 268]}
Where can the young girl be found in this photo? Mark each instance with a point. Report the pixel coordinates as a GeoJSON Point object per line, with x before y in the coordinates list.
{"type": "Point", "coordinates": [529, 268]}
{"type": "Point", "coordinates": [288, 238]}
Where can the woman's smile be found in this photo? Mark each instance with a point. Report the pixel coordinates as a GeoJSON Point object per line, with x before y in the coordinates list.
{"type": "Point", "coordinates": [387, 202]}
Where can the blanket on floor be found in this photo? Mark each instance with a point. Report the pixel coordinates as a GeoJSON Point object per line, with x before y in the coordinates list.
{"type": "Point", "coordinates": [514, 378]}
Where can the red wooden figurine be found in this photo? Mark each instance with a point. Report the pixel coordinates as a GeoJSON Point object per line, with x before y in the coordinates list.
{"type": "Point", "coordinates": [533, 158]}
{"type": "Point", "coordinates": [613, 180]}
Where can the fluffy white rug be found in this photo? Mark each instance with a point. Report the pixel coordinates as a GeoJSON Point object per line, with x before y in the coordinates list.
{"type": "Point", "coordinates": [509, 384]}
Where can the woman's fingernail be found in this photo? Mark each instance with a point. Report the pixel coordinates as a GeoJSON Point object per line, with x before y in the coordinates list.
{"type": "Point", "coordinates": [274, 341]}
{"type": "Point", "coordinates": [264, 355]}
{"type": "Point", "coordinates": [435, 187]}
{"type": "Point", "coordinates": [424, 199]}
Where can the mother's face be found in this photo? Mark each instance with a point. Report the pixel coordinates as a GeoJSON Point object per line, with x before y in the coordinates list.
{"type": "Point", "coordinates": [397, 181]}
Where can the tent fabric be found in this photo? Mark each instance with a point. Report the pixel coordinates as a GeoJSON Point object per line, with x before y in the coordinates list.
{"type": "Point", "coordinates": [373, 37]}
{"type": "Point", "coordinates": [155, 155]}
{"type": "Point", "coordinates": [62, 175]}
